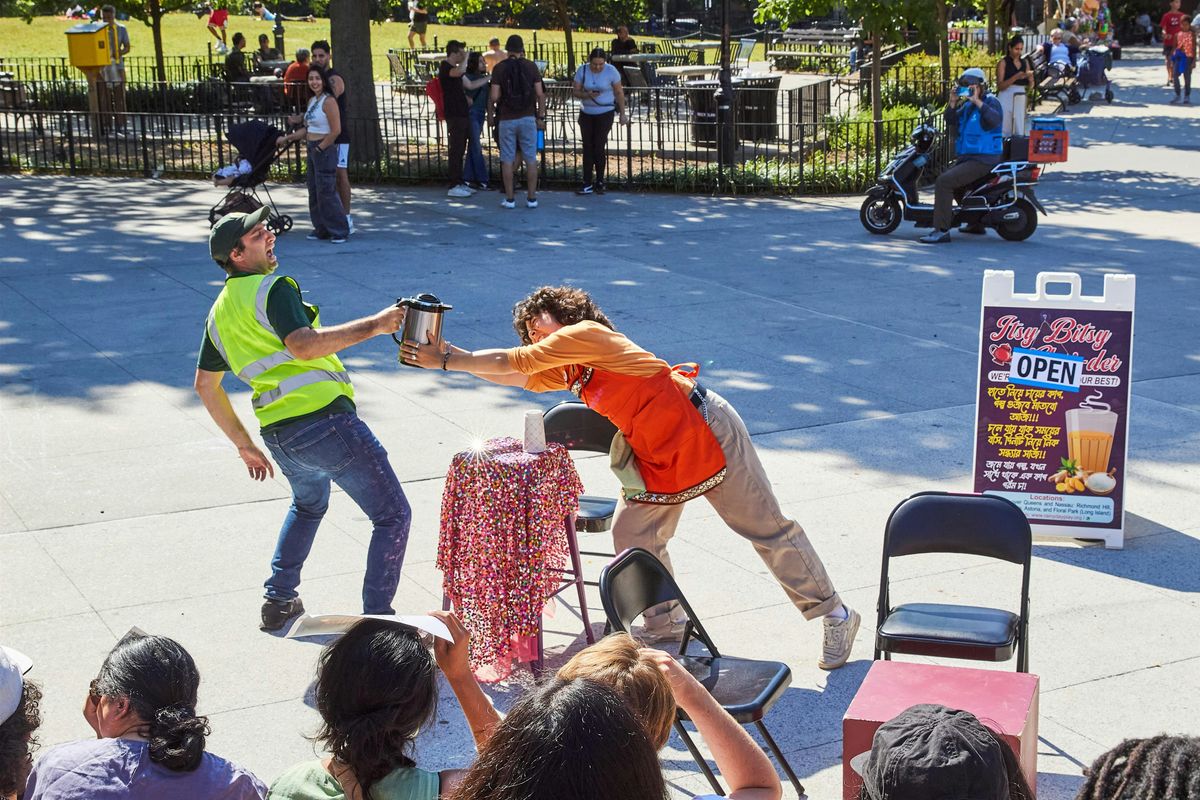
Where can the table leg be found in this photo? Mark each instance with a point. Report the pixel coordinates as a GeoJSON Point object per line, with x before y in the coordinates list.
{"type": "Point", "coordinates": [577, 567]}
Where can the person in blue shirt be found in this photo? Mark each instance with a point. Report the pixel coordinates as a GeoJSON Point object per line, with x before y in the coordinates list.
{"type": "Point", "coordinates": [974, 117]}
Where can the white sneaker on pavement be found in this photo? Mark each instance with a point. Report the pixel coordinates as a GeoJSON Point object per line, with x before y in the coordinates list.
{"type": "Point", "coordinates": [839, 639]}
{"type": "Point", "coordinates": [459, 191]}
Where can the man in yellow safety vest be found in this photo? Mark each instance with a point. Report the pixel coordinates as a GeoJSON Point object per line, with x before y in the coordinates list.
{"type": "Point", "coordinates": [261, 329]}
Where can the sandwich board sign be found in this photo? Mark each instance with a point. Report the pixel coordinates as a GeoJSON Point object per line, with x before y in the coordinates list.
{"type": "Point", "coordinates": [1052, 405]}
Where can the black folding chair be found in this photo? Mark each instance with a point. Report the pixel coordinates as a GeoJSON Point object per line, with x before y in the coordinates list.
{"type": "Point", "coordinates": [635, 581]}
{"type": "Point", "coordinates": [972, 524]}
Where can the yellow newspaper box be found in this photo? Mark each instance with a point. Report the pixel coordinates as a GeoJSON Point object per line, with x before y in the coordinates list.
{"type": "Point", "coordinates": [88, 45]}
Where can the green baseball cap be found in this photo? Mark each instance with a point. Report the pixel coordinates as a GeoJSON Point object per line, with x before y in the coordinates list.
{"type": "Point", "coordinates": [230, 229]}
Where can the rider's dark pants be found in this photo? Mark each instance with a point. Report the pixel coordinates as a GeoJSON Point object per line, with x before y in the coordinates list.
{"type": "Point", "coordinates": [961, 173]}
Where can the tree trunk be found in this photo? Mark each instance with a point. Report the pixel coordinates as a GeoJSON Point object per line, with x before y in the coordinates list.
{"type": "Point", "coordinates": [943, 21]}
{"type": "Point", "coordinates": [876, 99]}
{"type": "Point", "coordinates": [350, 34]}
{"type": "Point", "coordinates": [564, 19]}
{"type": "Point", "coordinates": [991, 26]}
{"type": "Point", "coordinates": [156, 15]}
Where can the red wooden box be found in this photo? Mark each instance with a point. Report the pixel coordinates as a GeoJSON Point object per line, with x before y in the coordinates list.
{"type": "Point", "coordinates": [1007, 702]}
{"type": "Point", "coordinates": [1047, 146]}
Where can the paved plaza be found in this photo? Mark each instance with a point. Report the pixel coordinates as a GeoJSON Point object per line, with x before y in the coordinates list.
{"type": "Point", "coordinates": [852, 359]}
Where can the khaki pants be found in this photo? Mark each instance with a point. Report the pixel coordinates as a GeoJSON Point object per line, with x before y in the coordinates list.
{"type": "Point", "coordinates": [747, 504]}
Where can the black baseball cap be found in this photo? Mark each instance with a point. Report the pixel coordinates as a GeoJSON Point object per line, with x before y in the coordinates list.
{"type": "Point", "coordinates": [930, 752]}
{"type": "Point", "coordinates": [230, 229]}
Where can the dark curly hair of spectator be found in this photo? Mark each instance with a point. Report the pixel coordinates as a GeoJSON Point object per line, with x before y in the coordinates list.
{"type": "Point", "coordinates": [1158, 768]}
{"type": "Point", "coordinates": [17, 740]}
{"type": "Point", "coordinates": [376, 688]}
{"type": "Point", "coordinates": [566, 304]}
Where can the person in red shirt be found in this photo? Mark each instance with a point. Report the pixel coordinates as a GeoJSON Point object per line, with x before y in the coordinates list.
{"type": "Point", "coordinates": [217, 18]}
{"type": "Point", "coordinates": [295, 77]}
{"type": "Point", "coordinates": [1171, 23]}
{"type": "Point", "coordinates": [1184, 59]}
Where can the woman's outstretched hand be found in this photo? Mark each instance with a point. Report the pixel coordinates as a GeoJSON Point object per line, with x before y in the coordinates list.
{"type": "Point", "coordinates": [426, 355]}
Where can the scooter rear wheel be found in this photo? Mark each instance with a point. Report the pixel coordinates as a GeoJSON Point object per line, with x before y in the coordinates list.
{"type": "Point", "coordinates": [880, 215]}
{"type": "Point", "coordinates": [1021, 226]}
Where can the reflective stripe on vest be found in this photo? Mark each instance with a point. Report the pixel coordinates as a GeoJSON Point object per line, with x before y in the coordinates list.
{"type": "Point", "coordinates": [284, 386]}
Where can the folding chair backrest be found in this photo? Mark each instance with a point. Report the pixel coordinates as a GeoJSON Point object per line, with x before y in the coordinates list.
{"type": "Point", "coordinates": [577, 427]}
{"type": "Point", "coordinates": [634, 581]}
{"type": "Point", "coordinates": [637, 79]}
{"type": "Point", "coordinates": [941, 522]}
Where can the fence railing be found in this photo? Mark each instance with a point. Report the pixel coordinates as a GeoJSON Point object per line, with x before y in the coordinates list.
{"type": "Point", "coordinates": [138, 69]}
{"type": "Point", "coordinates": [785, 141]}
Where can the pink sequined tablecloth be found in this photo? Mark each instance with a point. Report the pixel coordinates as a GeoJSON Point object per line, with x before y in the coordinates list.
{"type": "Point", "coordinates": [502, 534]}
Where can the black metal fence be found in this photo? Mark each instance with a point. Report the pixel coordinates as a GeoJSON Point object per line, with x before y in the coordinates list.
{"type": "Point", "coordinates": [786, 142]}
{"type": "Point", "coordinates": [138, 69]}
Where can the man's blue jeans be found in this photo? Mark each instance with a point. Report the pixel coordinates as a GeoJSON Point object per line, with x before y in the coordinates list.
{"type": "Point", "coordinates": [339, 448]}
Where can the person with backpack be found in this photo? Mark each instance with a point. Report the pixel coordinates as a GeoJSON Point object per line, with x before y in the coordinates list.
{"type": "Point", "coordinates": [1183, 60]}
{"type": "Point", "coordinates": [456, 113]}
{"type": "Point", "coordinates": [517, 103]}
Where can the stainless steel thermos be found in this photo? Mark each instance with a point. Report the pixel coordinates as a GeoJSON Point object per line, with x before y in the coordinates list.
{"type": "Point", "coordinates": [423, 321]}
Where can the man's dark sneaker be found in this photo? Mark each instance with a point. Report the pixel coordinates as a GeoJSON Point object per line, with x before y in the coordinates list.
{"type": "Point", "coordinates": [585, 189]}
{"type": "Point", "coordinates": [601, 187]}
{"type": "Point", "coordinates": [977, 228]}
{"type": "Point", "coordinates": [277, 613]}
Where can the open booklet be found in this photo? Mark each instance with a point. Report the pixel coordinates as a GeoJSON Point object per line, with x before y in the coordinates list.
{"type": "Point", "coordinates": [333, 624]}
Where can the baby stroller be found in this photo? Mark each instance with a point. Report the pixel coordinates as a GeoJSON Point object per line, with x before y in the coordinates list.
{"type": "Point", "coordinates": [255, 141]}
{"type": "Point", "coordinates": [1094, 64]}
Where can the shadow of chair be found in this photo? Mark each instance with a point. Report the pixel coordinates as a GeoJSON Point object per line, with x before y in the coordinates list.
{"type": "Point", "coordinates": [970, 524]}
{"type": "Point", "coordinates": [635, 581]}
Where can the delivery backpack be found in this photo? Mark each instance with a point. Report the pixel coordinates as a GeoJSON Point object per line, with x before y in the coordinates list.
{"type": "Point", "coordinates": [434, 90]}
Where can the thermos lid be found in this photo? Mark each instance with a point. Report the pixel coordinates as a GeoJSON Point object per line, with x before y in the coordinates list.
{"type": "Point", "coordinates": [424, 302]}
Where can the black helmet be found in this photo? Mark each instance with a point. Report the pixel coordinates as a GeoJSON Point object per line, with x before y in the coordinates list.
{"type": "Point", "coordinates": [922, 137]}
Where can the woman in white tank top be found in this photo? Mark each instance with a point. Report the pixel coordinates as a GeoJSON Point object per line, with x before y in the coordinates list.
{"type": "Point", "coordinates": [322, 123]}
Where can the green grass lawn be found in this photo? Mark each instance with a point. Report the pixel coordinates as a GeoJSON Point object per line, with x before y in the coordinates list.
{"type": "Point", "coordinates": [185, 35]}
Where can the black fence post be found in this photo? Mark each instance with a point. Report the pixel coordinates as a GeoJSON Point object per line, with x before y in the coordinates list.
{"type": "Point", "coordinates": [69, 122]}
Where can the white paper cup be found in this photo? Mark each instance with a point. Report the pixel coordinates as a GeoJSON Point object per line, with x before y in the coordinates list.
{"type": "Point", "coordinates": [535, 432]}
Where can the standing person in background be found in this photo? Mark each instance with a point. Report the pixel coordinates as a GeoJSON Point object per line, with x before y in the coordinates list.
{"type": "Point", "coordinates": [623, 45]}
{"type": "Point", "coordinates": [457, 114]}
{"type": "Point", "coordinates": [598, 86]}
{"type": "Point", "coordinates": [113, 74]}
{"type": "Point", "coordinates": [217, 19]}
{"type": "Point", "coordinates": [1184, 60]}
{"type": "Point", "coordinates": [418, 21]}
{"type": "Point", "coordinates": [475, 82]}
{"type": "Point", "coordinates": [1171, 22]}
{"type": "Point", "coordinates": [517, 99]}
{"type": "Point", "coordinates": [1013, 79]}
{"type": "Point", "coordinates": [321, 55]}
{"type": "Point", "coordinates": [494, 54]}
{"type": "Point", "coordinates": [320, 125]}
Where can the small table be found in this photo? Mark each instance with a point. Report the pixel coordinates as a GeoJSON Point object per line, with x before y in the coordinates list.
{"type": "Point", "coordinates": [503, 537]}
{"type": "Point", "coordinates": [699, 47]}
{"type": "Point", "coordinates": [638, 58]}
{"type": "Point", "coordinates": [1007, 702]}
{"type": "Point", "coordinates": [428, 57]}
{"type": "Point", "coordinates": [691, 71]}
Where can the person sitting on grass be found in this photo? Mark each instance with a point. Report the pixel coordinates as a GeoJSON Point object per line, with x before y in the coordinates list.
{"type": "Point", "coordinates": [376, 688]}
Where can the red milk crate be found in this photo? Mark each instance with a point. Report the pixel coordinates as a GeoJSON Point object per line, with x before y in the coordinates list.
{"type": "Point", "coordinates": [1047, 146]}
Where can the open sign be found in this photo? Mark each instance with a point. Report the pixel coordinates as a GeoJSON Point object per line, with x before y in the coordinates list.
{"type": "Point", "coordinates": [1046, 370]}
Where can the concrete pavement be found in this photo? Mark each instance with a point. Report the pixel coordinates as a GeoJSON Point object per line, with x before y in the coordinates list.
{"type": "Point", "coordinates": [850, 357]}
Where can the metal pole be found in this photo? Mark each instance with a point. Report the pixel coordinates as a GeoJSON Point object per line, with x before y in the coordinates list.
{"type": "Point", "coordinates": [278, 31]}
{"type": "Point", "coordinates": [724, 96]}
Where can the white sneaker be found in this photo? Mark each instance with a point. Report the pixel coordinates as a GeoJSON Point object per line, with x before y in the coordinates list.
{"type": "Point", "coordinates": [531, 203]}
{"type": "Point", "coordinates": [222, 48]}
{"type": "Point", "coordinates": [338, 240]}
{"type": "Point", "coordinates": [839, 639]}
{"type": "Point", "coordinates": [506, 203]}
{"type": "Point", "coordinates": [459, 191]}
{"type": "Point", "coordinates": [350, 224]}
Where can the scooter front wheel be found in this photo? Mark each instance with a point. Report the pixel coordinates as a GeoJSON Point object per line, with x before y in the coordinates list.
{"type": "Point", "coordinates": [1019, 221]}
{"type": "Point", "coordinates": [880, 215]}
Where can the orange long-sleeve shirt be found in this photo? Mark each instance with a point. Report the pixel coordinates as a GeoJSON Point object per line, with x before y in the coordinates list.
{"type": "Point", "coordinates": [586, 344]}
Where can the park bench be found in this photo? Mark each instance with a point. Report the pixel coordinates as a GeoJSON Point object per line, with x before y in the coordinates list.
{"type": "Point", "coordinates": [1051, 84]}
{"type": "Point", "coordinates": [822, 49]}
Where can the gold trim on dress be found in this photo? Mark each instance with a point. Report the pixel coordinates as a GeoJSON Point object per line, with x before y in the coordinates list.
{"type": "Point", "coordinates": [679, 497]}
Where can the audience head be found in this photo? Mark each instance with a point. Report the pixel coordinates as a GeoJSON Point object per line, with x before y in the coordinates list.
{"type": "Point", "coordinates": [376, 688]}
{"type": "Point", "coordinates": [515, 44]}
{"type": "Point", "coordinates": [574, 739]}
{"type": "Point", "coordinates": [320, 53]}
{"type": "Point", "coordinates": [239, 40]}
{"type": "Point", "coordinates": [930, 752]}
{"type": "Point", "coordinates": [302, 55]}
{"type": "Point", "coordinates": [597, 59]}
{"type": "Point", "coordinates": [148, 684]}
{"type": "Point", "coordinates": [19, 719]}
{"type": "Point", "coordinates": [1056, 35]}
{"type": "Point", "coordinates": [474, 61]}
{"type": "Point", "coordinates": [617, 662]}
{"type": "Point", "coordinates": [454, 47]}
{"type": "Point", "coordinates": [622, 32]}
{"type": "Point", "coordinates": [1016, 46]}
{"type": "Point", "coordinates": [565, 305]}
{"type": "Point", "coordinates": [263, 40]}
{"type": "Point", "coordinates": [494, 43]}
{"type": "Point", "coordinates": [319, 83]}
{"type": "Point", "coordinates": [108, 13]}
{"type": "Point", "coordinates": [1158, 768]}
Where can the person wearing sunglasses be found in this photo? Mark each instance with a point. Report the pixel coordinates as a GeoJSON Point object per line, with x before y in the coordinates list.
{"type": "Point", "coordinates": [975, 118]}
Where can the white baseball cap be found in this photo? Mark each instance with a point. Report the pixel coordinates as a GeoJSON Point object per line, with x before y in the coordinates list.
{"type": "Point", "coordinates": [13, 665]}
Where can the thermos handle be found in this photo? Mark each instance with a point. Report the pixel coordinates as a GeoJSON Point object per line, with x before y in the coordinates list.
{"type": "Point", "coordinates": [400, 301]}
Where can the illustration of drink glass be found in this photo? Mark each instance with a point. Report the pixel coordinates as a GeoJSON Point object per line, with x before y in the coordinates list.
{"type": "Point", "coordinates": [1090, 430]}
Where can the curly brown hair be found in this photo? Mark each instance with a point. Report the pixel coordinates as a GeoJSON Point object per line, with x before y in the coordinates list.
{"type": "Point", "coordinates": [17, 740]}
{"type": "Point", "coordinates": [566, 304]}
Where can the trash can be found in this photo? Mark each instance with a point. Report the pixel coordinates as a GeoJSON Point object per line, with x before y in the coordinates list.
{"type": "Point", "coordinates": [756, 102]}
{"type": "Point", "coordinates": [702, 100]}
{"type": "Point", "coordinates": [88, 45]}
